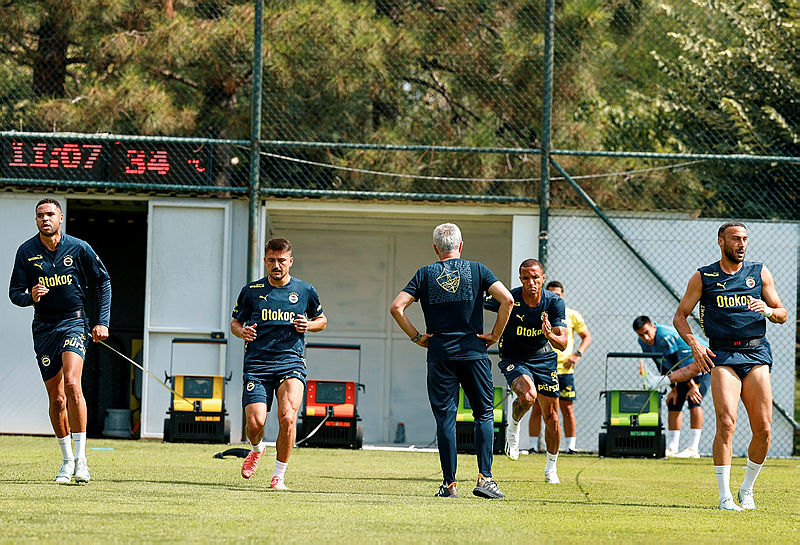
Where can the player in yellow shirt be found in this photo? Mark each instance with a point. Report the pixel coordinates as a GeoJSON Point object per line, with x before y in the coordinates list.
{"type": "Point", "coordinates": [566, 378]}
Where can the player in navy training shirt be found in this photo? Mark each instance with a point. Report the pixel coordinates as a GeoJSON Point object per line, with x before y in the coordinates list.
{"type": "Point", "coordinates": [273, 315]}
{"type": "Point", "coordinates": [735, 297]}
{"type": "Point", "coordinates": [51, 271]}
{"type": "Point", "coordinates": [528, 360]}
{"type": "Point", "coordinates": [451, 292]}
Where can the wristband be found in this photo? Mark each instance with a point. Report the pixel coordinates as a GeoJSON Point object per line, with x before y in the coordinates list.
{"type": "Point", "coordinates": [417, 337]}
{"type": "Point", "coordinates": [767, 312]}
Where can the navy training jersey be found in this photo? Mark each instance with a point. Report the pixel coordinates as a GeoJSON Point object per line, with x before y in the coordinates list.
{"type": "Point", "coordinates": [451, 293]}
{"type": "Point", "coordinates": [669, 344]}
{"type": "Point", "coordinates": [65, 272]}
{"type": "Point", "coordinates": [523, 334]}
{"type": "Point", "coordinates": [273, 310]}
{"type": "Point", "coordinates": [723, 304]}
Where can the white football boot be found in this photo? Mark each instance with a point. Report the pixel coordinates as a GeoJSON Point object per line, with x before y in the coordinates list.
{"type": "Point", "coordinates": [512, 439]}
{"type": "Point", "coordinates": [65, 472]}
{"type": "Point", "coordinates": [746, 499]}
{"type": "Point", "coordinates": [81, 471]}
{"type": "Point", "coordinates": [728, 505]}
{"type": "Point", "coordinates": [552, 478]}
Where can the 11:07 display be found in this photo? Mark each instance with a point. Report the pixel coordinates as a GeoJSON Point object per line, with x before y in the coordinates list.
{"type": "Point", "coordinates": [105, 161]}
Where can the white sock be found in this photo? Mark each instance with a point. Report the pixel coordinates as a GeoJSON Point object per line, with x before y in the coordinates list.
{"type": "Point", "coordinates": [751, 471]}
{"type": "Point", "coordinates": [694, 438]}
{"type": "Point", "coordinates": [259, 447]}
{"type": "Point", "coordinates": [550, 465]}
{"type": "Point", "coordinates": [673, 440]}
{"type": "Point", "coordinates": [80, 445]}
{"type": "Point", "coordinates": [570, 443]}
{"type": "Point", "coordinates": [280, 469]}
{"type": "Point", "coordinates": [66, 447]}
{"type": "Point", "coordinates": [723, 481]}
{"type": "Point", "coordinates": [513, 425]}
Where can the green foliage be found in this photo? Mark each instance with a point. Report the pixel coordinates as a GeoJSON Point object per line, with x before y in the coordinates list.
{"type": "Point", "coordinates": [728, 85]}
{"type": "Point", "coordinates": [132, 67]}
{"type": "Point", "coordinates": [630, 75]}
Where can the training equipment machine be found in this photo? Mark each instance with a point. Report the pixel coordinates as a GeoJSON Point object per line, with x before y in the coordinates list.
{"type": "Point", "coordinates": [329, 416]}
{"type": "Point", "coordinates": [633, 418]}
{"type": "Point", "coordinates": [465, 423]}
{"type": "Point", "coordinates": [197, 413]}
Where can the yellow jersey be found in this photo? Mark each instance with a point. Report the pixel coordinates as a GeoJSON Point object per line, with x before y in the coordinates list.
{"type": "Point", "coordinates": [575, 324]}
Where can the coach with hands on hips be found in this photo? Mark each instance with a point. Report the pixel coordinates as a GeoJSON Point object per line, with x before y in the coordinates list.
{"type": "Point", "coordinates": [451, 292]}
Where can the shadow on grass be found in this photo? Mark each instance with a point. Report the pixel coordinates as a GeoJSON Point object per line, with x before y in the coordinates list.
{"type": "Point", "coordinates": [324, 496]}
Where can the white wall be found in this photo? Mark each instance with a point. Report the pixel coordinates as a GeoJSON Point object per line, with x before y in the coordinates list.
{"type": "Point", "coordinates": [188, 276]}
{"type": "Point", "coordinates": [23, 398]}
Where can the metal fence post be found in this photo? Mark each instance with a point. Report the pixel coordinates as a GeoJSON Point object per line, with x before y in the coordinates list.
{"type": "Point", "coordinates": [547, 106]}
{"type": "Point", "coordinates": [253, 267]}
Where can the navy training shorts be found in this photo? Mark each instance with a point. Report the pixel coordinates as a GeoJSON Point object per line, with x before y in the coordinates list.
{"type": "Point", "coordinates": [703, 383]}
{"type": "Point", "coordinates": [261, 387]}
{"type": "Point", "coordinates": [743, 360]}
{"type": "Point", "coordinates": [566, 386]}
{"type": "Point", "coordinates": [542, 372]}
{"type": "Point", "coordinates": [52, 340]}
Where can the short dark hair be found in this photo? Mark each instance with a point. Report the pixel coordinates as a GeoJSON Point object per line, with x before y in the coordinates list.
{"type": "Point", "coordinates": [640, 321]}
{"type": "Point", "coordinates": [530, 262]}
{"type": "Point", "coordinates": [48, 200]}
{"type": "Point", "coordinates": [555, 284]}
{"type": "Point", "coordinates": [278, 244]}
{"type": "Point", "coordinates": [724, 227]}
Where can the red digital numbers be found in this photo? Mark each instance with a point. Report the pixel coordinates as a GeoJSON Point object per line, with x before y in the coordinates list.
{"type": "Point", "coordinates": [196, 164]}
{"type": "Point", "coordinates": [141, 163]}
{"type": "Point", "coordinates": [94, 153]}
{"type": "Point", "coordinates": [16, 155]}
{"type": "Point", "coordinates": [66, 156]}
{"type": "Point", "coordinates": [102, 160]}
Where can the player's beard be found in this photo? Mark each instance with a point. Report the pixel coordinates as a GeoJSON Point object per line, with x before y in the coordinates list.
{"type": "Point", "coordinates": [731, 254]}
{"type": "Point", "coordinates": [51, 234]}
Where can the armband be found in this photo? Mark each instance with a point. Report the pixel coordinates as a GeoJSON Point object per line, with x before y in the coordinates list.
{"type": "Point", "coordinates": [416, 337]}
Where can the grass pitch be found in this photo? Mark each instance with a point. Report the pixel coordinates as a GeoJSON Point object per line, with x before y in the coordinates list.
{"type": "Point", "coordinates": [143, 491]}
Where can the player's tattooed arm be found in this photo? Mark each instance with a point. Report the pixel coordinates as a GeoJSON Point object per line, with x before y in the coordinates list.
{"type": "Point", "coordinates": [700, 354]}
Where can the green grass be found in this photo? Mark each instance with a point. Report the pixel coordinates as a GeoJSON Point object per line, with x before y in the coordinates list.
{"type": "Point", "coordinates": [146, 491]}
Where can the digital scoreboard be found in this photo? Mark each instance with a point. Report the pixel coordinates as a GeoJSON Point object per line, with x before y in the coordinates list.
{"type": "Point", "coordinates": [105, 161]}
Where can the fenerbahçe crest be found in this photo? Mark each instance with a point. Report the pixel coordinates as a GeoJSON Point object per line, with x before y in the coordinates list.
{"type": "Point", "coordinates": [750, 282]}
{"type": "Point", "coordinates": [293, 298]}
{"type": "Point", "coordinates": [449, 280]}
{"type": "Point", "coordinates": [67, 260]}
{"type": "Point", "coordinates": [250, 386]}
{"type": "Point", "coordinates": [45, 361]}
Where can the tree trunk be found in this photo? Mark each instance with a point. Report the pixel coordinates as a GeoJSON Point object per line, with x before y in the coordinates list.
{"type": "Point", "coordinates": [50, 61]}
